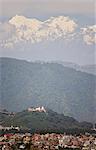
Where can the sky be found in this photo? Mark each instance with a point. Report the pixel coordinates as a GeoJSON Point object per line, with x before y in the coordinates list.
{"type": "Point", "coordinates": [48, 30]}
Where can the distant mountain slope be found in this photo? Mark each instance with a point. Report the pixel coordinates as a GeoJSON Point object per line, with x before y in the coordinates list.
{"type": "Point", "coordinates": [52, 85]}
{"type": "Point", "coordinates": [85, 68]}
{"type": "Point", "coordinates": [89, 69]}
{"type": "Point", "coordinates": [41, 121]}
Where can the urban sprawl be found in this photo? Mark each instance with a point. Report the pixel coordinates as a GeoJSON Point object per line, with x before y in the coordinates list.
{"type": "Point", "coordinates": [52, 141]}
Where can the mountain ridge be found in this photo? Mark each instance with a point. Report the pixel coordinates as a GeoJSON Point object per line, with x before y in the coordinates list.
{"type": "Point", "coordinates": [87, 68]}
{"type": "Point", "coordinates": [60, 88]}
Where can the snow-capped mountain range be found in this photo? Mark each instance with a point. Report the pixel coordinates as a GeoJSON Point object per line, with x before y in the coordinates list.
{"type": "Point", "coordinates": [22, 29]}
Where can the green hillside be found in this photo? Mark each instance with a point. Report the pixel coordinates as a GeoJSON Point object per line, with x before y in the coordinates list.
{"type": "Point", "coordinates": [41, 121]}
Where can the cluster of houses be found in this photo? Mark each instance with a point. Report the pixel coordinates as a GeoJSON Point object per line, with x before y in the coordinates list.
{"type": "Point", "coordinates": [9, 128]}
{"type": "Point", "coordinates": [48, 141]}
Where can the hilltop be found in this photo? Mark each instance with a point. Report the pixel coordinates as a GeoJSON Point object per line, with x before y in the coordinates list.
{"type": "Point", "coordinates": [44, 121]}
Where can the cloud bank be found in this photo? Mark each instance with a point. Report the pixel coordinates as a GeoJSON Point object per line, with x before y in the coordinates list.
{"type": "Point", "coordinates": [21, 29]}
{"type": "Point", "coordinates": [89, 34]}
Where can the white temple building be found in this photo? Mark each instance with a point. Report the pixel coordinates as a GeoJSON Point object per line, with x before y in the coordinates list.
{"type": "Point", "coordinates": [38, 109]}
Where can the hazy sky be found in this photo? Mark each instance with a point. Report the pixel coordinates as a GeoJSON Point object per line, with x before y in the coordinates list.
{"type": "Point", "coordinates": [48, 30]}
{"type": "Point", "coordinates": [42, 7]}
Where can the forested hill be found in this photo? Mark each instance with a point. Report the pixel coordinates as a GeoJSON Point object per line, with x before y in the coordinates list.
{"type": "Point", "coordinates": [62, 89]}
{"type": "Point", "coordinates": [48, 121]}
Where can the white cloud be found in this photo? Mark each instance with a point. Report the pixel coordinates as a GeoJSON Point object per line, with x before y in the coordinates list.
{"type": "Point", "coordinates": [89, 34]}
{"type": "Point", "coordinates": [20, 28]}
{"type": "Point", "coordinates": [7, 35]}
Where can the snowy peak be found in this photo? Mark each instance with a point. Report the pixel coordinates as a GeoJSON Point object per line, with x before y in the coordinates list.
{"type": "Point", "coordinates": [21, 20]}
{"type": "Point", "coordinates": [61, 22]}
{"type": "Point", "coordinates": [33, 30]}
{"type": "Point", "coordinates": [89, 34]}
{"type": "Point", "coordinates": [65, 23]}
